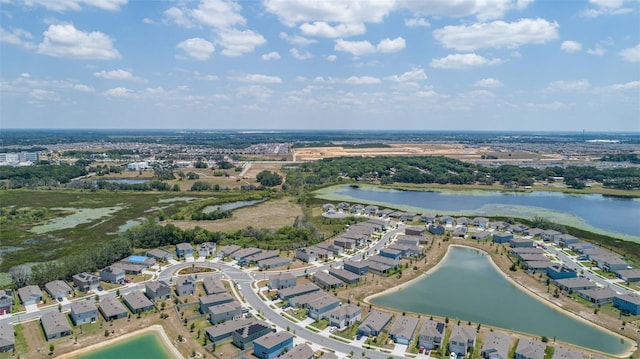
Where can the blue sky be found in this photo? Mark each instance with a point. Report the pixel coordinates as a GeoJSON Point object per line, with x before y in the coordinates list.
{"type": "Point", "coordinates": [309, 64]}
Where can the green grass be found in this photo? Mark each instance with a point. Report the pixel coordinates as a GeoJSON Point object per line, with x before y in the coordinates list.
{"type": "Point", "coordinates": [349, 332]}
{"type": "Point", "coordinates": [548, 352]}
{"type": "Point", "coordinates": [320, 324]}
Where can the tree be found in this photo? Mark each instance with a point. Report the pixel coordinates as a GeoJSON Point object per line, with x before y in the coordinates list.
{"type": "Point", "coordinates": [269, 179]}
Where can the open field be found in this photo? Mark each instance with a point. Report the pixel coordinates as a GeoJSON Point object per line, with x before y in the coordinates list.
{"type": "Point", "coordinates": [272, 214]}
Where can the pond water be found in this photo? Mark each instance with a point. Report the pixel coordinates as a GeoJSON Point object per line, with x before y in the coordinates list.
{"type": "Point", "coordinates": [604, 213]}
{"type": "Point", "coordinates": [468, 287]}
{"type": "Point", "coordinates": [148, 345]}
{"type": "Point", "coordinates": [231, 205]}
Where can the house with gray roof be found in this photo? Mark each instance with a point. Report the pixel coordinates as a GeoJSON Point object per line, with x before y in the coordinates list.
{"type": "Point", "coordinates": [345, 275]}
{"type": "Point", "coordinates": [321, 307]}
{"type": "Point", "coordinates": [136, 301]}
{"type": "Point", "coordinates": [627, 303]}
{"type": "Point", "coordinates": [346, 243]}
{"type": "Point", "coordinates": [245, 252]}
{"type": "Point", "coordinates": [502, 237]}
{"type": "Point", "coordinates": [55, 325]}
{"type": "Point", "coordinates": [378, 268]}
{"type": "Point", "coordinates": [245, 336]}
{"type": "Point", "coordinates": [206, 249]}
{"type": "Point", "coordinates": [185, 285]}
{"type": "Point", "coordinates": [302, 301]}
{"type": "Point", "coordinates": [575, 284]}
{"type": "Point", "coordinates": [226, 311]}
{"type": "Point", "coordinates": [393, 263]}
{"type": "Point", "coordinates": [564, 353]}
{"type": "Point", "coordinates": [374, 323]}
{"type": "Point", "coordinates": [334, 249]}
{"type": "Point", "coordinates": [184, 250]}
{"type": "Point", "coordinates": [282, 280]}
{"type": "Point", "coordinates": [436, 229]}
{"type": "Point", "coordinates": [264, 255]}
{"type": "Point", "coordinates": [227, 251]}
{"type": "Point", "coordinates": [288, 293]}
{"type": "Point", "coordinates": [7, 337]}
{"type": "Point", "coordinates": [345, 315]}
{"type": "Point", "coordinates": [6, 301]}
{"type": "Point", "coordinates": [30, 294]}
{"type": "Point", "coordinates": [58, 289]}
{"type": "Point", "coordinates": [157, 290]}
{"type": "Point", "coordinates": [629, 275]}
{"type": "Point", "coordinates": [225, 331]}
{"type": "Point", "coordinates": [208, 301]}
{"type": "Point", "coordinates": [409, 240]}
{"type": "Point", "coordinates": [160, 254]}
{"type": "Point", "coordinates": [549, 235]}
{"type": "Point", "coordinates": [272, 345]}
{"type": "Point", "coordinates": [403, 329]}
{"type": "Point", "coordinates": [462, 339]}
{"type": "Point", "coordinates": [496, 345]}
{"type": "Point", "coordinates": [431, 334]}
{"type": "Point", "coordinates": [112, 309]}
{"type": "Point", "coordinates": [565, 240]}
{"type": "Point", "coordinates": [428, 218]}
{"type": "Point", "coordinates": [459, 232]}
{"type": "Point", "coordinates": [213, 285]}
{"type": "Point", "coordinates": [306, 255]}
{"type": "Point", "coordinates": [301, 351]}
{"type": "Point", "coordinates": [530, 349]}
{"type": "Point", "coordinates": [112, 274]}
{"type": "Point", "coordinates": [481, 235]}
{"type": "Point", "coordinates": [598, 295]}
{"type": "Point", "coordinates": [326, 281]}
{"type": "Point", "coordinates": [274, 262]}
{"type": "Point", "coordinates": [86, 281]}
{"type": "Point", "coordinates": [84, 311]}
{"type": "Point", "coordinates": [481, 222]}
{"type": "Point", "coordinates": [356, 267]}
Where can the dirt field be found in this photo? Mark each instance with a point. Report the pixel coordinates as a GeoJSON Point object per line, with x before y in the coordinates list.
{"type": "Point", "coordinates": [271, 214]}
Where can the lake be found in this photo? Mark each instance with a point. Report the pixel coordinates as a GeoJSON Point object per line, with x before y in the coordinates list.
{"type": "Point", "coordinates": [604, 214]}
{"type": "Point", "coordinates": [148, 345]}
{"type": "Point", "coordinates": [468, 287]}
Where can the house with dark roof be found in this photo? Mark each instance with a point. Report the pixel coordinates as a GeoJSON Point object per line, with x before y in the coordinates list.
{"type": "Point", "coordinates": [378, 268]}
{"type": "Point", "coordinates": [502, 237]}
{"type": "Point", "coordinates": [112, 274]}
{"type": "Point", "coordinates": [356, 267]}
{"type": "Point", "coordinates": [629, 275]}
{"type": "Point", "coordinates": [272, 345]}
{"type": "Point", "coordinates": [84, 311]}
{"type": "Point", "coordinates": [345, 315]}
{"type": "Point", "coordinates": [436, 229]}
{"type": "Point", "coordinates": [598, 295]}
{"type": "Point", "coordinates": [274, 262]}
{"type": "Point", "coordinates": [30, 294]}
{"type": "Point", "coordinates": [213, 285]}
{"type": "Point", "coordinates": [6, 301]}
{"type": "Point", "coordinates": [481, 235]}
{"type": "Point", "coordinates": [227, 251]}
{"type": "Point", "coordinates": [306, 255]}
{"type": "Point", "coordinates": [565, 240]}
{"type": "Point", "coordinates": [321, 307]}
{"type": "Point", "coordinates": [459, 232]}
{"type": "Point", "coordinates": [184, 250]}
{"type": "Point", "coordinates": [157, 290]}
{"type": "Point", "coordinates": [206, 249]}
{"type": "Point", "coordinates": [302, 351]}
{"type": "Point", "coordinates": [394, 254]}
{"type": "Point", "coordinates": [225, 331]}
{"type": "Point", "coordinates": [208, 301]}
{"type": "Point", "coordinates": [462, 339]}
{"type": "Point", "coordinates": [185, 285]}
{"type": "Point", "coordinates": [403, 329]}
{"type": "Point", "coordinates": [264, 255]}
{"type": "Point", "coordinates": [374, 323]}
{"type": "Point", "coordinates": [346, 243]}
{"type": "Point", "coordinates": [245, 336]}
{"type": "Point", "coordinates": [564, 353]}
{"type": "Point", "coordinates": [326, 281]}
{"type": "Point", "coordinates": [559, 271]}
{"type": "Point", "coordinates": [496, 345]}
{"type": "Point", "coordinates": [226, 311]}
{"type": "Point", "coordinates": [86, 281]}
{"type": "Point", "coordinates": [288, 293]}
{"type": "Point", "coordinates": [245, 253]}
{"type": "Point", "coordinates": [55, 325]}
{"type": "Point", "coordinates": [7, 337]}
{"type": "Point", "coordinates": [393, 263]}
{"type": "Point", "coordinates": [136, 301]}
{"type": "Point", "coordinates": [575, 284]}
{"type": "Point", "coordinates": [428, 218]}
{"type": "Point", "coordinates": [58, 289]}
{"type": "Point", "coordinates": [431, 334]}
{"type": "Point", "coordinates": [112, 309]}
{"type": "Point", "coordinates": [481, 222]}
{"type": "Point", "coordinates": [345, 275]}
{"type": "Point", "coordinates": [549, 235]}
{"type": "Point", "coordinates": [160, 254]}
{"type": "Point", "coordinates": [282, 280]}
{"type": "Point", "coordinates": [627, 303]}
{"type": "Point", "coordinates": [530, 349]}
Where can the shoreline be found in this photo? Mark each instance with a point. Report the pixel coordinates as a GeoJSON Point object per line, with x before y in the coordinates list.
{"type": "Point", "coordinates": [522, 288]}
{"type": "Point", "coordinates": [156, 328]}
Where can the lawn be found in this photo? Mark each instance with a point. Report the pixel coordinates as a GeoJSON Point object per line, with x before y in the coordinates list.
{"type": "Point", "coordinates": [349, 332]}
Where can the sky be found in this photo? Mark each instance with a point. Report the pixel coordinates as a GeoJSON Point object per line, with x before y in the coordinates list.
{"type": "Point", "coordinates": [525, 65]}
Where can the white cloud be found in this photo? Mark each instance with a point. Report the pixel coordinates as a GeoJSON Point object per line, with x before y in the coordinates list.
{"type": "Point", "coordinates": [114, 75]}
{"type": "Point", "coordinates": [597, 51]}
{"type": "Point", "coordinates": [631, 54]}
{"type": "Point", "coordinates": [570, 46]}
{"type": "Point", "coordinates": [497, 34]}
{"type": "Point", "coordinates": [361, 80]}
{"type": "Point", "coordinates": [482, 9]}
{"type": "Point", "coordinates": [218, 14]}
{"type": "Point", "coordinates": [273, 55]}
{"type": "Point", "coordinates": [119, 92]}
{"type": "Point", "coordinates": [576, 85]}
{"type": "Point", "coordinates": [197, 48]}
{"type": "Point", "coordinates": [67, 41]}
{"type": "Point", "coordinates": [416, 22]}
{"type": "Point", "coordinates": [256, 78]}
{"type": "Point", "coordinates": [239, 42]}
{"type": "Point", "coordinates": [300, 56]}
{"type": "Point", "coordinates": [198, 76]}
{"type": "Point", "coordinates": [488, 83]}
{"type": "Point", "coordinates": [606, 7]}
{"type": "Point", "coordinates": [416, 74]}
{"type": "Point", "coordinates": [461, 61]}
{"type": "Point", "coordinates": [17, 36]}
{"type": "Point", "coordinates": [43, 95]}
{"type": "Point", "coordinates": [358, 48]}
{"type": "Point", "coordinates": [292, 12]}
{"type": "Point", "coordinates": [331, 58]}
{"type": "Point", "coordinates": [632, 85]}
{"type": "Point", "coordinates": [322, 29]}
{"type": "Point", "coordinates": [76, 5]}
{"type": "Point", "coordinates": [83, 88]}
{"type": "Point", "coordinates": [297, 39]}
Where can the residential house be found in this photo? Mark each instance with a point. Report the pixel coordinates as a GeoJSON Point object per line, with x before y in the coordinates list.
{"type": "Point", "coordinates": [481, 222]}
{"type": "Point", "coordinates": [245, 252]}
{"type": "Point", "coordinates": [272, 345]}
{"type": "Point", "coordinates": [410, 240]}
{"type": "Point", "coordinates": [208, 301]}
{"type": "Point", "coordinates": [629, 275]}
{"type": "Point", "coordinates": [357, 209]}
{"type": "Point", "coordinates": [428, 218]}
{"type": "Point", "coordinates": [6, 300]}
{"type": "Point", "coordinates": [436, 229]}
{"type": "Point", "coordinates": [502, 237]}
{"type": "Point", "coordinates": [334, 249]}
{"type": "Point", "coordinates": [496, 345]}
{"type": "Point", "coordinates": [261, 256]}
{"type": "Point", "coordinates": [627, 303]}
{"type": "Point", "coordinates": [7, 337]}
{"type": "Point", "coordinates": [184, 250]}
{"type": "Point", "coordinates": [345, 315]}
{"type": "Point", "coordinates": [226, 311]}
{"type": "Point", "coordinates": [55, 325]}
{"type": "Point", "coordinates": [459, 232]}
{"type": "Point", "coordinates": [403, 328]}
{"type": "Point", "coordinates": [206, 249]}
{"type": "Point", "coordinates": [371, 210]}
{"type": "Point", "coordinates": [517, 251]}
{"type": "Point", "coordinates": [157, 290]}
{"type": "Point", "coordinates": [391, 253]}
{"type": "Point", "coordinates": [564, 353]}
{"type": "Point", "coordinates": [245, 336]}
{"type": "Point", "coordinates": [213, 285]}
{"type": "Point", "coordinates": [321, 307]}
{"type": "Point", "coordinates": [393, 263]}
{"type": "Point", "coordinates": [462, 221]}
{"type": "Point", "coordinates": [301, 351]}
{"type": "Point", "coordinates": [519, 242]}
{"type": "Point", "coordinates": [111, 308]}
{"type": "Point", "coordinates": [84, 311]}
{"type": "Point", "coordinates": [374, 323]}
{"type": "Point", "coordinates": [30, 294]}
{"type": "Point", "coordinates": [275, 262]}
{"type": "Point", "coordinates": [224, 331]}
{"type": "Point", "coordinates": [598, 295]}
{"type": "Point", "coordinates": [137, 302]}
{"type": "Point", "coordinates": [112, 274]}
{"type": "Point", "coordinates": [565, 240]}
{"type": "Point", "coordinates": [378, 268]}
{"type": "Point", "coordinates": [517, 228]}
{"type": "Point", "coordinates": [160, 254]}
{"type": "Point", "coordinates": [356, 267]}
{"type": "Point", "coordinates": [297, 290]}
{"type": "Point", "coordinates": [537, 266]}
{"type": "Point", "coordinates": [431, 334]}
{"type": "Point", "coordinates": [326, 281]}
{"type": "Point", "coordinates": [611, 263]}
{"type": "Point", "coordinates": [446, 221]}
{"type": "Point", "coordinates": [533, 232]}
{"type": "Point", "coordinates": [227, 251]}
{"type": "Point", "coordinates": [58, 289]}
{"type": "Point", "coordinates": [346, 243]}
{"type": "Point", "coordinates": [86, 281]}
{"type": "Point", "coordinates": [498, 225]}
{"type": "Point", "coordinates": [530, 349]}
{"type": "Point", "coordinates": [282, 280]}
{"type": "Point", "coordinates": [415, 231]}
{"type": "Point", "coordinates": [306, 255]}
{"type": "Point", "coordinates": [185, 285]}
{"type": "Point", "coordinates": [344, 275]}
{"type": "Point", "coordinates": [343, 206]}
{"type": "Point", "coordinates": [481, 235]}
{"type": "Point", "coordinates": [328, 207]}
{"type": "Point", "coordinates": [575, 284]}
{"type": "Point", "coordinates": [301, 301]}
{"type": "Point", "coordinates": [559, 271]}
{"type": "Point", "coordinates": [549, 235]}
{"type": "Point", "coordinates": [462, 339]}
